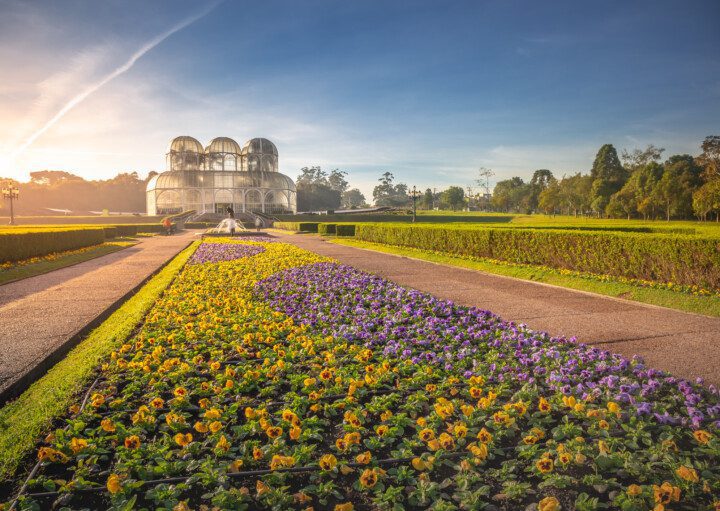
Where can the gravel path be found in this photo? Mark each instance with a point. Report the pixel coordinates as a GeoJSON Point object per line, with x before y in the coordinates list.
{"type": "Point", "coordinates": [42, 316]}
{"type": "Point", "coordinates": [685, 344]}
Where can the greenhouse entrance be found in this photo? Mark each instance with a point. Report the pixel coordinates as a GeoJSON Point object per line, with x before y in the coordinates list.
{"type": "Point", "coordinates": [221, 207]}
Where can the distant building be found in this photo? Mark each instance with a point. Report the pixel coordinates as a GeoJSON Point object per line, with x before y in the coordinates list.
{"type": "Point", "coordinates": [219, 176]}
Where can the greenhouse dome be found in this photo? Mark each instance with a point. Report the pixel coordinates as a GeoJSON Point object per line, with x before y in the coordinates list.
{"type": "Point", "coordinates": [219, 176]}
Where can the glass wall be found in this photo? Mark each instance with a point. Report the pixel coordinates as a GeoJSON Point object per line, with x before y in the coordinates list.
{"type": "Point", "coordinates": [174, 192]}
{"type": "Point", "coordinates": [222, 174]}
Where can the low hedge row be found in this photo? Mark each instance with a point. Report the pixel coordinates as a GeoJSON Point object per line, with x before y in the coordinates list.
{"type": "Point", "coordinates": [345, 230]}
{"type": "Point", "coordinates": [680, 259]}
{"type": "Point", "coordinates": [326, 229]}
{"type": "Point", "coordinates": [23, 244]}
{"type": "Point", "coordinates": [297, 226]}
{"type": "Point", "coordinates": [616, 228]}
{"type": "Point", "coordinates": [398, 217]}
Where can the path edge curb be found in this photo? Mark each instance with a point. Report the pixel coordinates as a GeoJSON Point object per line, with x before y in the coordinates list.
{"type": "Point", "coordinates": [20, 385]}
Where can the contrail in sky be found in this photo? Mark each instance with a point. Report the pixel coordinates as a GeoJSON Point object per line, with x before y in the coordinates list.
{"type": "Point", "coordinates": [117, 72]}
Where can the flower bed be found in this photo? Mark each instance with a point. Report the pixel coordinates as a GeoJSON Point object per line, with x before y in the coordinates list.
{"type": "Point", "coordinates": [220, 252]}
{"type": "Point", "coordinates": [281, 380]}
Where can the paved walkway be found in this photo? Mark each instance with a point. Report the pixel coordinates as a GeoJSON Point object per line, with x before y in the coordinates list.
{"type": "Point", "coordinates": [41, 316]}
{"type": "Point", "coordinates": [685, 344]}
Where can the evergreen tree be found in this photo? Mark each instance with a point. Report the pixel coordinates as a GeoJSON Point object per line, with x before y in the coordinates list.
{"type": "Point", "coordinates": [608, 176]}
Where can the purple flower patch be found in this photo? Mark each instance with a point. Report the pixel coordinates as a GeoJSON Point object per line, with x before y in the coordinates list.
{"type": "Point", "coordinates": [220, 252]}
{"type": "Point", "coordinates": [355, 306]}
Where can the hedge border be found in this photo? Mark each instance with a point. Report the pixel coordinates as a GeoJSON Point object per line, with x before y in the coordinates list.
{"type": "Point", "coordinates": [690, 260]}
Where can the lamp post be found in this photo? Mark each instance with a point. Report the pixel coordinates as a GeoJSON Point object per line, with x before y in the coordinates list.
{"type": "Point", "coordinates": [11, 192]}
{"type": "Point", "coordinates": [414, 196]}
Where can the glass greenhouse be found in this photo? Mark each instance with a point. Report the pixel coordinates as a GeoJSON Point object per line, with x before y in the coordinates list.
{"type": "Point", "coordinates": [223, 174]}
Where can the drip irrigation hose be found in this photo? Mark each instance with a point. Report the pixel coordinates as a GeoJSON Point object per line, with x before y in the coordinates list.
{"type": "Point", "coordinates": [250, 473]}
{"type": "Point", "coordinates": [39, 463]}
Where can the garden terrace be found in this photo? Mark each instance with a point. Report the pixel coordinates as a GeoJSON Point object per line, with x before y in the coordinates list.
{"type": "Point", "coordinates": [276, 378]}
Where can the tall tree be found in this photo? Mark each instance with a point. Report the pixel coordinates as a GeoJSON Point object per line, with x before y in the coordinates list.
{"type": "Point", "coordinates": [428, 200]}
{"type": "Point", "coordinates": [549, 198]}
{"type": "Point", "coordinates": [389, 194]}
{"type": "Point", "coordinates": [508, 193]}
{"type": "Point", "coordinates": [608, 175]}
{"type": "Point", "coordinates": [674, 191]}
{"type": "Point", "coordinates": [314, 190]}
{"type": "Point", "coordinates": [639, 158]}
{"type": "Point", "coordinates": [353, 198]}
{"type": "Point", "coordinates": [541, 179]}
{"type": "Point", "coordinates": [706, 200]}
{"type": "Point", "coordinates": [710, 158]}
{"type": "Point", "coordinates": [575, 193]}
{"type": "Point", "coordinates": [453, 198]}
{"type": "Point", "coordinates": [336, 180]}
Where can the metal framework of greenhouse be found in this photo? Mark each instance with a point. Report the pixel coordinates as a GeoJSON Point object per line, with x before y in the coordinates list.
{"type": "Point", "coordinates": [221, 175]}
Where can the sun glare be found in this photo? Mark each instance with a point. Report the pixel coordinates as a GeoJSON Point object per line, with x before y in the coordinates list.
{"type": "Point", "coordinates": [7, 167]}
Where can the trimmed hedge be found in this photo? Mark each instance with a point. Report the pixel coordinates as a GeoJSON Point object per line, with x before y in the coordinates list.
{"type": "Point", "coordinates": [680, 259]}
{"type": "Point", "coordinates": [297, 226]}
{"type": "Point", "coordinates": [20, 244]}
{"type": "Point", "coordinates": [616, 228]}
{"type": "Point", "coordinates": [128, 229]}
{"type": "Point", "coordinates": [345, 230]}
{"type": "Point", "coordinates": [110, 232]}
{"type": "Point", "coordinates": [326, 229]}
{"type": "Point", "coordinates": [151, 228]}
{"type": "Point", "coordinates": [398, 217]}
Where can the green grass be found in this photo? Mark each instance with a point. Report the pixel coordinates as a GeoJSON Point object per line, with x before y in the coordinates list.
{"type": "Point", "coordinates": [25, 420]}
{"type": "Point", "coordinates": [23, 271]}
{"type": "Point", "coordinates": [707, 305]}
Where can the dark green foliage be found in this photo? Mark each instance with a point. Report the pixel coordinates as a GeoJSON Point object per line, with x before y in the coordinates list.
{"type": "Point", "coordinates": [127, 230]}
{"type": "Point", "coordinates": [326, 229]}
{"type": "Point", "coordinates": [389, 194]}
{"type": "Point", "coordinates": [681, 259]}
{"type": "Point", "coordinates": [400, 217]}
{"type": "Point", "coordinates": [110, 232]}
{"type": "Point", "coordinates": [352, 199]}
{"type": "Point", "coordinates": [297, 226]}
{"type": "Point", "coordinates": [453, 198]}
{"type": "Point", "coordinates": [607, 165]}
{"type": "Point", "coordinates": [308, 226]}
{"type": "Point", "coordinates": [345, 230]}
{"type": "Point", "coordinates": [608, 175]}
{"type": "Point", "coordinates": [319, 191]}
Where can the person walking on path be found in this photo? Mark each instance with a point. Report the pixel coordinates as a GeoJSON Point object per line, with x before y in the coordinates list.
{"type": "Point", "coordinates": [167, 224]}
{"type": "Point", "coordinates": [232, 225]}
{"type": "Point", "coordinates": [258, 223]}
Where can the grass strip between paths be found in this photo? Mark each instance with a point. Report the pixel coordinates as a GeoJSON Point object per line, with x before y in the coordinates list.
{"type": "Point", "coordinates": [23, 271]}
{"type": "Point", "coordinates": [707, 305]}
{"type": "Point", "coordinates": [23, 421]}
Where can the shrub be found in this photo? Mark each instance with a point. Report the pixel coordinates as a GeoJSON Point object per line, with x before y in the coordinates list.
{"type": "Point", "coordinates": [287, 226]}
{"type": "Point", "coordinates": [110, 232]}
{"type": "Point", "coordinates": [128, 229]}
{"type": "Point", "coordinates": [20, 244]}
{"type": "Point", "coordinates": [680, 259]}
{"type": "Point", "coordinates": [308, 226]}
{"type": "Point", "coordinates": [151, 228]}
{"type": "Point", "coordinates": [326, 229]}
{"type": "Point", "coordinates": [345, 230]}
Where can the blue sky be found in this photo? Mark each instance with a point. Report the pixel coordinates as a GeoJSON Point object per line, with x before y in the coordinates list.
{"type": "Point", "coordinates": [428, 90]}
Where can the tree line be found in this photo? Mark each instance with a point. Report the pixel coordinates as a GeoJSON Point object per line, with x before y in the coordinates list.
{"type": "Point", "coordinates": [633, 185]}
{"type": "Point", "coordinates": [64, 190]}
